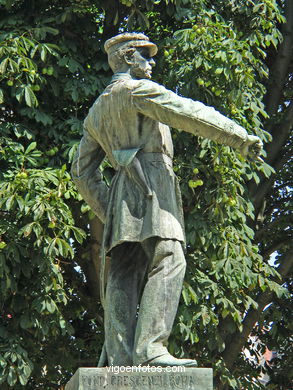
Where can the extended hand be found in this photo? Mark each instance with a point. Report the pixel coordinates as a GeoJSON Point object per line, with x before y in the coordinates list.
{"type": "Point", "coordinates": [252, 148]}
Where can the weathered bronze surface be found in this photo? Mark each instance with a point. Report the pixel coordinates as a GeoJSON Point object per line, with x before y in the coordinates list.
{"type": "Point", "coordinates": [142, 212]}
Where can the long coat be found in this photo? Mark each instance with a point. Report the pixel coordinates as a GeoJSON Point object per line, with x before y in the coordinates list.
{"type": "Point", "coordinates": [129, 123]}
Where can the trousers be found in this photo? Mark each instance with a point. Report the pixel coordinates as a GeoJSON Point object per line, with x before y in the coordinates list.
{"type": "Point", "coordinates": [142, 295]}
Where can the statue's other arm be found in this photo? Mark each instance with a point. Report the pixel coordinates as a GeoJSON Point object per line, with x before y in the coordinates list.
{"type": "Point", "coordinates": [155, 101]}
{"type": "Point", "coordinates": [87, 176]}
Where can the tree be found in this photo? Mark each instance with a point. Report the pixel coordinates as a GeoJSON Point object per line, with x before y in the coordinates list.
{"type": "Point", "coordinates": [227, 54]}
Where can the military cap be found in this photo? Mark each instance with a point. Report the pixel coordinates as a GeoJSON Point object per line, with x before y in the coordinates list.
{"type": "Point", "coordinates": [129, 40]}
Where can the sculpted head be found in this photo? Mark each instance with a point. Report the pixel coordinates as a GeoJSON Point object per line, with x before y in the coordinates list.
{"type": "Point", "coordinates": [131, 53]}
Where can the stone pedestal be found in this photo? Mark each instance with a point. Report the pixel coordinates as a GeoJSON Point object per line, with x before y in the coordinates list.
{"type": "Point", "coordinates": [141, 378]}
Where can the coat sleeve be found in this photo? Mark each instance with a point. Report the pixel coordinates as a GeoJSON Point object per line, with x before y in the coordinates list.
{"type": "Point", "coordinates": [157, 102]}
{"type": "Point", "coordinates": [87, 176]}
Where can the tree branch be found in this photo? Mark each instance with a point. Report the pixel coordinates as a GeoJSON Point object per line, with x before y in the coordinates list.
{"type": "Point", "coordinates": [280, 134]}
{"type": "Point", "coordinates": [83, 259]}
{"type": "Point", "coordinates": [280, 67]}
{"type": "Point", "coordinates": [280, 131]}
{"type": "Point", "coordinates": [239, 339]}
{"type": "Point", "coordinates": [277, 204]}
{"type": "Point", "coordinates": [275, 246]}
{"type": "Point", "coordinates": [269, 226]}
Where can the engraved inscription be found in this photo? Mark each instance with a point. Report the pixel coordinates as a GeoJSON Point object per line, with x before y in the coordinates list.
{"type": "Point", "coordinates": [116, 381]}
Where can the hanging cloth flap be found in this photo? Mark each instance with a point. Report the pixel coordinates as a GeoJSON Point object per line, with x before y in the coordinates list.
{"type": "Point", "coordinates": [125, 156]}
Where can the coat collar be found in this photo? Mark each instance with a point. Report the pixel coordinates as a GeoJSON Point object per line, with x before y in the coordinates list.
{"type": "Point", "coordinates": [120, 76]}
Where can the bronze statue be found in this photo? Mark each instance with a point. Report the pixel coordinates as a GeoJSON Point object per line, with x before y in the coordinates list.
{"type": "Point", "coordinates": [142, 212]}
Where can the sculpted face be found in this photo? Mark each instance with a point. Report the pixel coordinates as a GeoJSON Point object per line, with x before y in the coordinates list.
{"type": "Point", "coordinates": [141, 64]}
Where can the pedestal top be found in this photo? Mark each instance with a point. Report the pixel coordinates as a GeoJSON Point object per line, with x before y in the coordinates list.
{"type": "Point", "coordinates": [141, 378]}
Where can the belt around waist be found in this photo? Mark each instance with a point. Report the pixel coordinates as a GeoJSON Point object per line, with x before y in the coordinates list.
{"type": "Point", "coordinates": [156, 157]}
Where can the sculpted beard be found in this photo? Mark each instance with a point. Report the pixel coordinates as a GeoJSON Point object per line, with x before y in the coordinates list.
{"type": "Point", "coordinates": [141, 72]}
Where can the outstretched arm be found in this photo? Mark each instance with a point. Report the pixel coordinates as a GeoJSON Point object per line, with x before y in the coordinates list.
{"type": "Point", "coordinates": [157, 102]}
{"type": "Point", "coordinates": [87, 176]}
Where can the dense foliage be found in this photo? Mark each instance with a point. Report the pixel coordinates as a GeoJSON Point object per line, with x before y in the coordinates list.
{"type": "Point", "coordinates": [228, 54]}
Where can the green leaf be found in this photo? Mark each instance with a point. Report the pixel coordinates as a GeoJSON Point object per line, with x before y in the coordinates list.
{"type": "Point", "coordinates": [10, 202]}
{"type": "Point", "coordinates": [219, 70]}
{"type": "Point", "coordinates": [257, 7]}
{"type": "Point", "coordinates": [19, 93]}
{"type": "Point", "coordinates": [27, 370]}
{"type": "Point", "coordinates": [186, 296]}
{"type": "Point", "coordinates": [193, 294]}
{"type": "Point", "coordinates": [11, 378]}
{"type": "Point", "coordinates": [62, 323]}
{"type": "Point", "coordinates": [3, 65]}
{"type": "Point", "coordinates": [30, 97]}
{"type": "Point", "coordinates": [43, 53]}
{"type": "Point", "coordinates": [267, 170]}
{"type": "Point", "coordinates": [27, 229]}
{"type": "Point", "coordinates": [25, 322]}
{"type": "Point", "coordinates": [51, 30]}
{"type": "Point", "coordinates": [43, 118]}
{"type": "Point", "coordinates": [50, 306]}
{"type": "Point", "coordinates": [31, 147]}
{"type": "Point", "coordinates": [79, 234]}
{"type": "Point", "coordinates": [3, 362]}
{"type": "Point", "coordinates": [23, 379]}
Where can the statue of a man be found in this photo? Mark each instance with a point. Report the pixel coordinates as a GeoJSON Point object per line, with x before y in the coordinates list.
{"type": "Point", "coordinates": [142, 212]}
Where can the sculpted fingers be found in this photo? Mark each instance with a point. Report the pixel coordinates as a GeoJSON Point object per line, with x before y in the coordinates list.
{"type": "Point", "coordinates": [252, 148]}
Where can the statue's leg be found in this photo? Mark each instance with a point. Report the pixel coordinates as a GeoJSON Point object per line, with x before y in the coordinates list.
{"type": "Point", "coordinates": [126, 276]}
{"type": "Point", "coordinates": [159, 300]}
